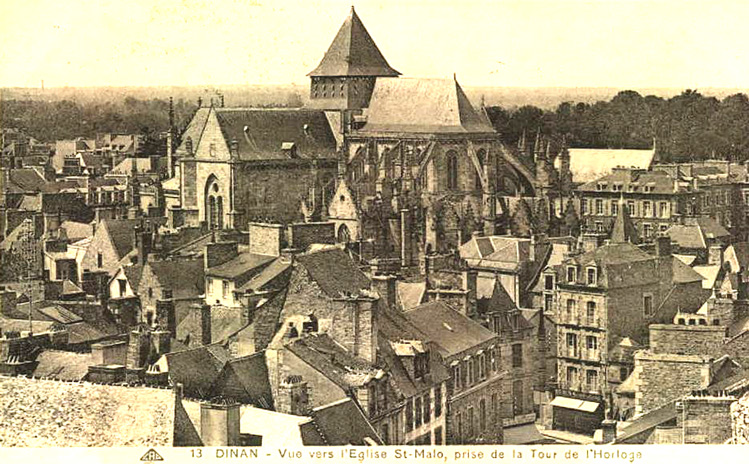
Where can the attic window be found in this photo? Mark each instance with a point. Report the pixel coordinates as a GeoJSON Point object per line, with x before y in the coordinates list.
{"type": "Point", "coordinates": [591, 276]}
{"type": "Point", "coordinates": [447, 326]}
{"type": "Point", "coordinates": [571, 274]}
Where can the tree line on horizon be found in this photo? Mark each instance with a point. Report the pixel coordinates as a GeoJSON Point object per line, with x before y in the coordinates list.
{"type": "Point", "coordinates": [686, 126]}
{"type": "Point", "coordinates": [689, 126]}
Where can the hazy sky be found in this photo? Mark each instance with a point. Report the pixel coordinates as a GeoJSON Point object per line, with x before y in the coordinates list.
{"type": "Point", "coordinates": [594, 43]}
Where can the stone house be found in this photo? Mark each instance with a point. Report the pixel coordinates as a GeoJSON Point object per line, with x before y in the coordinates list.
{"type": "Point", "coordinates": [605, 295]}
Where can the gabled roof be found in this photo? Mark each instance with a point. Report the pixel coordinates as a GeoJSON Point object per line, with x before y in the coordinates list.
{"type": "Point", "coordinates": [261, 132]}
{"type": "Point", "coordinates": [63, 365]}
{"type": "Point", "coordinates": [343, 423]}
{"type": "Point", "coordinates": [658, 182]}
{"type": "Point", "coordinates": [424, 106]}
{"type": "Point", "coordinates": [275, 273]}
{"type": "Point", "coordinates": [77, 230]}
{"type": "Point", "coordinates": [335, 272]}
{"type": "Point", "coordinates": [125, 167]}
{"type": "Point", "coordinates": [333, 361]}
{"type": "Point", "coordinates": [185, 277]}
{"type": "Point", "coordinates": [353, 53]}
{"type": "Point", "coordinates": [697, 233]}
{"type": "Point", "coordinates": [240, 265]}
{"type": "Point", "coordinates": [451, 331]}
{"type": "Point", "coordinates": [121, 232]}
{"type": "Point", "coordinates": [197, 369]}
{"type": "Point", "coordinates": [25, 180]}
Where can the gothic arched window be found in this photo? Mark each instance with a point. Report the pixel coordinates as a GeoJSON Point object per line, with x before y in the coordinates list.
{"type": "Point", "coordinates": [481, 156]}
{"type": "Point", "coordinates": [452, 170]}
{"type": "Point", "coordinates": [214, 204]}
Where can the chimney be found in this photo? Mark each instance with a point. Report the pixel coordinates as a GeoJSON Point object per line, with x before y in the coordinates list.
{"type": "Point", "coordinates": [294, 396]}
{"type": "Point", "coordinates": [385, 286]}
{"type": "Point", "coordinates": [266, 239]}
{"type": "Point", "coordinates": [142, 243]}
{"type": "Point", "coordinates": [219, 424]}
{"type": "Point", "coordinates": [219, 253]}
{"type": "Point", "coordinates": [470, 285]}
{"type": "Point", "coordinates": [715, 255]}
{"type": "Point", "coordinates": [357, 332]}
{"type": "Point", "coordinates": [110, 352]}
{"type": "Point", "coordinates": [165, 314]}
{"type": "Point", "coordinates": [609, 430]}
{"type": "Point", "coordinates": [138, 347]}
{"type": "Point", "coordinates": [205, 323]}
{"type": "Point", "coordinates": [663, 246]}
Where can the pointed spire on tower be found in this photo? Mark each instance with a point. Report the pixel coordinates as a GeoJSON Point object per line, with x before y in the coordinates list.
{"type": "Point", "coordinates": [624, 229]}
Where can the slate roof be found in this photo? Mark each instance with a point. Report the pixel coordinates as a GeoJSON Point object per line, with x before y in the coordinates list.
{"type": "Point", "coordinates": [335, 272]}
{"type": "Point", "coordinates": [697, 234]}
{"type": "Point", "coordinates": [646, 423]}
{"type": "Point", "coordinates": [660, 182]}
{"type": "Point", "coordinates": [343, 423]}
{"type": "Point", "coordinates": [423, 106]}
{"type": "Point", "coordinates": [133, 273]}
{"type": "Point", "coordinates": [125, 167]}
{"type": "Point", "coordinates": [496, 251]}
{"type": "Point", "coordinates": [86, 333]}
{"type": "Point", "coordinates": [451, 331]}
{"type": "Point", "coordinates": [185, 277]}
{"type": "Point", "coordinates": [588, 164]}
{"type": "Point", "coordinates": [353, 53]}
{"type": "Point", "coordinates": [333, 361]}
{"type": "Point", "coordinates": [245, 379]}
{"type": "Point", "coordinates": [274, 275]}
{"type": "Point", "coordinates": [39, 413]}
{"type": "Point", "coordinates": [77, 230]}
{"type": "Point", "coordinates": [239, 266]}
{"type": "Point", "coordinates": [63, 365]}
{"type": "Point", "coordinates": [197, 369]}
{"type": "Point", "coordinates": [121, 233]}
{"type": "Point", "coordinates": [59, 314]}
{"type": "Point", "coordinates": [261, 132]}
{"type": "Point", "coordinates": [26, 180]}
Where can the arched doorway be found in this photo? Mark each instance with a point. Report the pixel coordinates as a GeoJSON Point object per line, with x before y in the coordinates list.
{"type": "Point", "coordinates": [214, 208]}
{"type": "Point", "coordinates": [344, 235]}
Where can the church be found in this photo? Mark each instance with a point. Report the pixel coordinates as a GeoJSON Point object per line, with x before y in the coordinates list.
{"type": "Point", "coordinates": [408, 164]}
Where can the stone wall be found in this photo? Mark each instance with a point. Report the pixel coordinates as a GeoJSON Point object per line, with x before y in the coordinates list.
{"type": "Point", "coordinates": [266, 239]}
{"type": "Point", "coordinates": [740, 420]}
{"type": "Point", "coordinates": [661, 378]}
{"type": "Point", "coordinates": [303, 235]}
{"type": "Point", "coordinates": [686, 339]}
{"type": "Point", "coordinates": [705, 419]}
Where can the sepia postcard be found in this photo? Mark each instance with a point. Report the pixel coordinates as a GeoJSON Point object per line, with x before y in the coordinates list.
{"type": "Point", "coordinates": [374, 231]}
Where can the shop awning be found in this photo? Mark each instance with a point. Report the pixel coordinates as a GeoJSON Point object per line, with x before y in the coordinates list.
{"type": "Point", "coordinates": [572, 403]}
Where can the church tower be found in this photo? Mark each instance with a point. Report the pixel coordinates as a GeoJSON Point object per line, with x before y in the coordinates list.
{"type": "Point", "coordinates": [346, 76]}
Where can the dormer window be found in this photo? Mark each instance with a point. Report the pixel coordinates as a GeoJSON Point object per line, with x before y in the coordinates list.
{"type": "Point", "coordinates": [571, 274]}
{"type": "Point", "coordinates": [591, 274]}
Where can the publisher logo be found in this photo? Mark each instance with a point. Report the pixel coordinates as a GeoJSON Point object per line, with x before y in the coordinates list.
{"type": "Point", "coordinates": [151, 456]}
